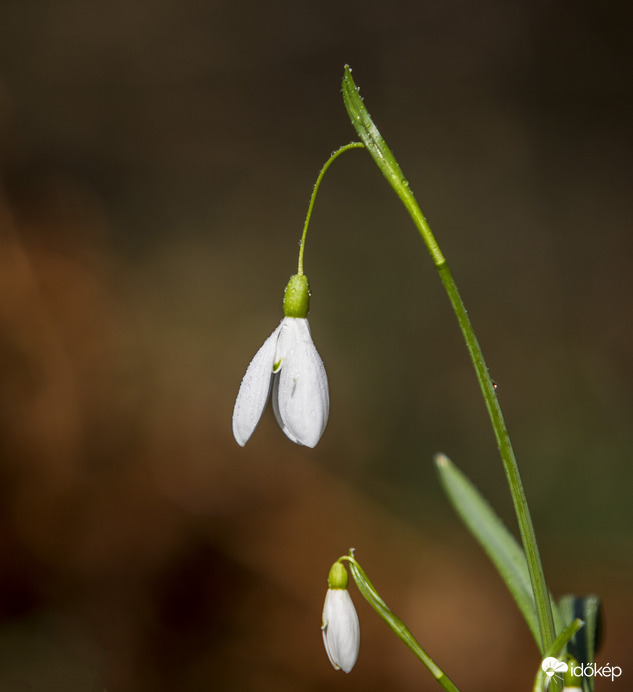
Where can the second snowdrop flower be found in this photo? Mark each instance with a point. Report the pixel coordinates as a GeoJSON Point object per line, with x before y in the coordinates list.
{"type": "Point", "coordinates": [339, 624]}
{"type": "Point", "coordinates": [289, 364]}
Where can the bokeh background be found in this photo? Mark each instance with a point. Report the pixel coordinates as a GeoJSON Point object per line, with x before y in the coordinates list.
{"type": "Point", "coordinates": [156, 160]}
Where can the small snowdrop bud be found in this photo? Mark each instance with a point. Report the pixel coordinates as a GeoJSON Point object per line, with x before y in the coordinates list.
{"type": "Point", "coordinates": [340, 627]}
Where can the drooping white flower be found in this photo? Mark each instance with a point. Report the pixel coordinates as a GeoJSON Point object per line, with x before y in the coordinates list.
{"type": "Point", "coordinates": [339, 625]}
{"type": "Point", "coordinates": [289, 363]}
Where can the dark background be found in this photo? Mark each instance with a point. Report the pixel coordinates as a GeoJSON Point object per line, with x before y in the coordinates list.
{"type": "Point", "coordinates": [157, 159]}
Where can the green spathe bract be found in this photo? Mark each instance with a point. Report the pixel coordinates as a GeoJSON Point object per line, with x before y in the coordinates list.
{"type": "Point", "coordinates": [372, 596]}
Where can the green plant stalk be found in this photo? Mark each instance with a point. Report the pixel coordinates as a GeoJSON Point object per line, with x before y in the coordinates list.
{"type": "Point", "coordinates": [370, 594]}
{"type": "Point", "coordinates": [387, 163]}
{"type": "Point", "coordinates": [315, 189]}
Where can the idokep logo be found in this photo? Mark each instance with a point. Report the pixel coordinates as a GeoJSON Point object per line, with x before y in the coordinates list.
{"type": "Point", "coordinates": [552, 665]}
{"type": "Point", "coordinates": [591, 670]}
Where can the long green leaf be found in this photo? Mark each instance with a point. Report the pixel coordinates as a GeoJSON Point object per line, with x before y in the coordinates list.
{"type": "Point", "coordinates": [498, 543]}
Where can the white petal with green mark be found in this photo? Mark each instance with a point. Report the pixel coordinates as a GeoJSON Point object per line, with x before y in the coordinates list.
{"type": "Point", "coordinates": [254, 390]}
{"type": "Point", "coordinates": [301, 399]}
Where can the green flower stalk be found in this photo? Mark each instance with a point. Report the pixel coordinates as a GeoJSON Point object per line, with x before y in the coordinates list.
{"type": "Point", "coordinates": [288, 364]}
{"type": "Point", "coordinates": [371, 595]}
{"type": "Point", "coordinates": [386, 162]}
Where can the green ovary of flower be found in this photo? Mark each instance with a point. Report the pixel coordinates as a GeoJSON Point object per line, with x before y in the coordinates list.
{"type": "Point", "coordinates": [297, 296]}
{"type": "Point", "coordinates": [337, 578]}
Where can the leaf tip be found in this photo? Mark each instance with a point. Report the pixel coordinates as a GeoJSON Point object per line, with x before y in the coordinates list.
{"type": "Point", "coordinates": [442, 461]}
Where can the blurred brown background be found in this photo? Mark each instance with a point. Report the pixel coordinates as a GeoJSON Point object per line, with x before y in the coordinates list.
{"type": "Point", "coordinates": [157, 159]}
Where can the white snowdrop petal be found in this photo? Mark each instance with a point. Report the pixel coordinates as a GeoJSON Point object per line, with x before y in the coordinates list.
{"type": "Point", "coordinates": [254, 390]}
{"type": "Point", "coordinates": [284, 342]}
{"type": "Point", "coordinates": [340, 629]}
{"type": "Point", "coordinates": [300, 390]}
{"type": "Point", "coordinates": [275, 398]}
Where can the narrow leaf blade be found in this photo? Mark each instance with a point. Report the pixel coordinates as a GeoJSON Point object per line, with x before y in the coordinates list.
{"type": "Point", "coordinates": [498, 543]}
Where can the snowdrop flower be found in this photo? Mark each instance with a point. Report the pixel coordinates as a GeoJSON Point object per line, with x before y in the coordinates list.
{"type": "Point", "coordinates": [340, 628]}
{"type": "Point", "coordinates": [289, 364]}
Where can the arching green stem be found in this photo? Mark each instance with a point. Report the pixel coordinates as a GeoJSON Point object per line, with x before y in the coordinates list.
{"type": "Point", "coordinates": [328, 163]}
{"type": "Point", "coordinates": [372, 596]}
